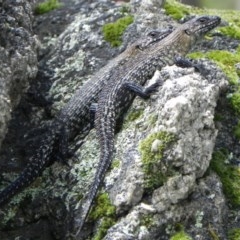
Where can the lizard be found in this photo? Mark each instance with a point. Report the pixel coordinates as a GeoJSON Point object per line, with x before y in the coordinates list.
{"type": "Point", "coordinates": [73, 118]}
{"type": "Point", "coordinates": [118, 94]}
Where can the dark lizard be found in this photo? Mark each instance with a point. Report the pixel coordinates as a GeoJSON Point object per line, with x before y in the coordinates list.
{"type": "Point", "coordinates": [74, 118]}
{"type": "Point", "coordinates": [118, 94]}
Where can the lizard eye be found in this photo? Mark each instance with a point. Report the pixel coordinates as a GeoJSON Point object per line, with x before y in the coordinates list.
{"type": "Point", "coordinates": [202, 20]}
{"type": "Point", "coordinates": [153, 34]}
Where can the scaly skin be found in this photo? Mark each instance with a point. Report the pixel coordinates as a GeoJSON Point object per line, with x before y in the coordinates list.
{"type": "Point", "coordinates": [74, 118]}
{"type": "Point", "coordinates": [118, 94]}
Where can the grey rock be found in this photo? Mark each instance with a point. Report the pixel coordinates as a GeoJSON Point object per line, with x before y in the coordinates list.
{"type": "Point", "coordinates": [184, 105]}
{"type": "Point", "coordinates": [185, 108]}
{"type": "Point", "coordinates": [18, 56]}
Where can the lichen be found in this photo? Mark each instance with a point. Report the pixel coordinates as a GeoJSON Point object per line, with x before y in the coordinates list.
{"type": "Point", "coordinates": [234, 234]}
{"type": "Point", "coordinates": [47, 6]}
{"type": "Point", "coordinates": [181, 236]}
{"type": "Point", "coordinates": [113, 32]}
{"type": "Point", "coordinates": [153, 175]}
{"type": "Point", "coordinates": [104, 210]}
{"type": "Point", "coordinates": [199, 218]}
{"type": "Point", "coordinates": [13, 206]}
{"type": "Point", "coordinates": [229, 175]}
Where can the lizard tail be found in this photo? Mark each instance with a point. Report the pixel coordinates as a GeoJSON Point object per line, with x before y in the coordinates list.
{"type": "Point", "coordinates": [38, 162]}
{"type": "Point", "coordinates": [105, 130]}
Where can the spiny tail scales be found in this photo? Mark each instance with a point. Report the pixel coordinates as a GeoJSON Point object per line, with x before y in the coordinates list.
{"type": "Point", "coordinates": [117, 95]}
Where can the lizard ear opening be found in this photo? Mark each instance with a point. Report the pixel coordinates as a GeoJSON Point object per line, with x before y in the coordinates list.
{"type": "Point", "coordinates": [139, 47]}
{"type": "Point", "coordinates": [187, 31]}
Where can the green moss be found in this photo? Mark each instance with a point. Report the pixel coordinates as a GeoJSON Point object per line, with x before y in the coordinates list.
{"type": "Point", "coordinates": [47, 6]}
{"type": "Point", "coordinates": [176, 10]}
{"type": "Point", "coordinates": [231, 31]}
{"type": "Point", "coordinates": [152, 159]}
{"type": "Point", "coordinates": [224, 59]}
{"type": "Point", "coordinates": [115, 164]}
{"type": "Point", "coordinates": [229, 175]}
{"type": "Point", "coordinates": [104, 210]}
{"type": "Point", "coordinates": [235, 101]}
{"type": "Point", "coordinates": [147, 221]}
{"type": "Point", "coordinates": [218, 117]}
{"type": "Point", "coordinates": [112, 32]}
{"type": "Point", "coordinates": [213, 234]}
{"type": "Point", "coordinates": [181, 236]}
{"type": "Point", "coordinates": [133, 115]}
{"type": "Point", "coordinates": [152, 119]}
{"type": "Point", "coordinates": [237, 131]}
{"type": "Point", "coordinates": [234, 234]}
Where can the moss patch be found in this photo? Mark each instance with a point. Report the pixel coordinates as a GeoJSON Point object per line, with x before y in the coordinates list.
{"type": "Point", "coordinates": [104, 210]}
{"type": "Point", "coordinates": [47, 6]}
{"type": "Point", "coordinates": [213, 233]}
{"type": "Point", "coordinates": [237, 131]}
{"type": "Point", "coordinates": [181, 236]}
{"type": "Point", "coordinates": [229, 175]}
{"type": "Point", "coordinates": [176, 10]}
{"type": "Point", "coordinates": [231, 31]}
{"type": "Point", "coordinates": [224, 59]}
{"type": "Point", "coordinates": [115, 164]}
{"type": "Point", "coordinates": [151, 159]}
{"type": "Point", "coordinates": [235, 100]}
{"type": "Point", "coordinates": [147, 221]}
{"type": "Point", "coordinates": [133, 115]}
{"type": "Point", "coordinates": [113, 32]}
{"type": "Point", "coordinates": [234, 234]}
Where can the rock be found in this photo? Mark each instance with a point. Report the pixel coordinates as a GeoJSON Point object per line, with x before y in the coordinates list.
{"type": "Point", "coordinates": [182, 190]}
{"type": "Point", "coordinates": [18, 56]}
{"type": "Point", "coordinates": [186, 109]}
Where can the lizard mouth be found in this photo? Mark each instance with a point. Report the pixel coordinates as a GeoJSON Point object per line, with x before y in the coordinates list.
{"type": "Point", "coordinates": [205, 24]}
{"type": "Point", "coordinates": [210, 25]}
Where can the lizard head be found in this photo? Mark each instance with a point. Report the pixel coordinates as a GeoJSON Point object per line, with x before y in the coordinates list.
{"type": "Point", "coordinates": [152, 37]}
{"type": "Point", "coordinates": [197, 27]}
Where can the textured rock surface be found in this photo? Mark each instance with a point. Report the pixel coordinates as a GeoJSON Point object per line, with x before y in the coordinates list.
{"type": "Point", "coordinates": [183, 106]}
{"type": "Point", "coordinates": [18, 56]}
{"type": "Point", "coordinates": [73, 49]}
